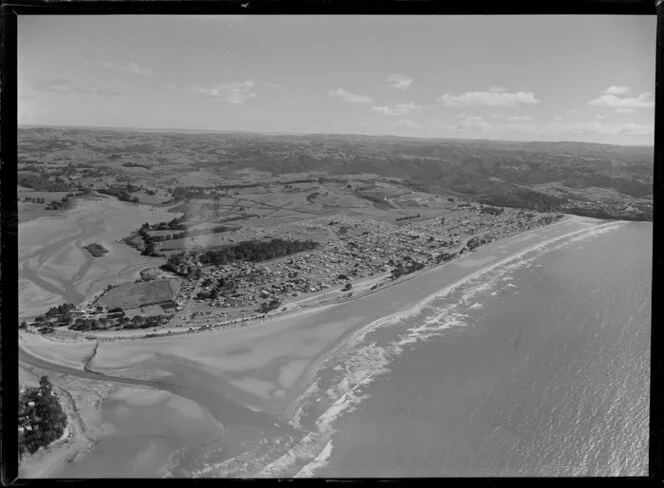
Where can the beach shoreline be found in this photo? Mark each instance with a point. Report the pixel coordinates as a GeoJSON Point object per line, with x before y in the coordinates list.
{"type": "Point", "coordinates": [237, 334]}
{"type": "Point", "coordinates": [312, 305]}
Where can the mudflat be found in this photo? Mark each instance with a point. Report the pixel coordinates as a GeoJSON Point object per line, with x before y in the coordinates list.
{"type": "Point", "coordinates": [53, 264]}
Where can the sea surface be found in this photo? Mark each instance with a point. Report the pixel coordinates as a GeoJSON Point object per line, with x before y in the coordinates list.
{"type": "Point", "coordinates": [537, 367]}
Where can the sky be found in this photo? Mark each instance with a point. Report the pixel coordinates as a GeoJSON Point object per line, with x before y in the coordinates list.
{"type": "Point", "coordinates": [551, 78]}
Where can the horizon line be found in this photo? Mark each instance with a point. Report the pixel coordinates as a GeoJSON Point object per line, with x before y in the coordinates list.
{"type": "Point", "coordinates": [220, 131]}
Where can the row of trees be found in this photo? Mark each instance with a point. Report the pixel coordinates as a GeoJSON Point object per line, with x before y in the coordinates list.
{"type": "Point", "coordinates": [256, 251]}
{"type": "Point", "coordinates": [121, 320]}
{"type": "Point", "coordinates": [148, 243]}
{"type": "Point", "coordinates": [407, 217]}
{"type": "Point", "coordinates": [34, 200]}
{"type": "Point", "coordinates": [492, 210]}
{"type": "Point", "coordinates": [192, 233]}
{"type": "Point", "coordinates": [176, 224]}
{"type": "Point", "coordinates": [242, 251]}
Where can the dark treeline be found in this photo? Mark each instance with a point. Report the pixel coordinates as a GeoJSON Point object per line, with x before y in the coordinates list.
{"type": "Point", "coordinates": [175, 224]}
{"type": "Point", "coordinates": [256, 251]}
{"type": "Point", "coordinates": [243, 251]}
{"type": "Point", "coordinates": [192, 233]}
{"type": "Point", "coordinates": [119, 319]}
{"type": "Point", "coordinates": [598, 213]}
{"type": "Point", "coordinates": [134, 165]}
{"type": "Point", "coordinates": [407, 217]}
{"type": "Point", "coordinates": [492, 210]}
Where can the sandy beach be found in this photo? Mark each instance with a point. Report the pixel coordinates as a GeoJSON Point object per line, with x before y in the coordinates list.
{"type": "Point", "coordinates": [259, 371]}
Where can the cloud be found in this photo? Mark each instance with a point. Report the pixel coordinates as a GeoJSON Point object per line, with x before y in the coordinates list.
{"type": "Point", "coordinates": [399, 81]}
{"type": "Point", "coordinates": [407, 124]}
{"type": "Point", "coordinates": [469, 123]}
{"type": "Point", "coordinates": [494, 97]}
{"type": "Point", "coordinates": [558, 118]}
{"type": "Point", "coordinates": [626, 110]}
{"type": "Point", "coordinates": [349, 97]}
{"type": "Point", "coordinates": [172, 87]}
{"type": "Point", "coordinates": [519, 118]}
{"type": "Point", "coordinates": [64, 85]}
{"type": "Point", "coordinates": [642, 101]}
{"type": "Point", "coordinates": [136, 69]}
{"type": "Point", "coordinates": [617, 90]}
{"type": "Point", "coordinates": [233, 93]}
{"type": "Point", "coordinates": [398, 109]}
{"type": "Point", "coordinates": [269, 84]}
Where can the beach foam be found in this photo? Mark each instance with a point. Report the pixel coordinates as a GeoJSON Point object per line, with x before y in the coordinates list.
{"type": "Point", "coordinates": [363, 364]}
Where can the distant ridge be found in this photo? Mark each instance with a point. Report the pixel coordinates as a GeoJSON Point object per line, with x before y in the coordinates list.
{"type": "Point", "coordinates": [586, 144]}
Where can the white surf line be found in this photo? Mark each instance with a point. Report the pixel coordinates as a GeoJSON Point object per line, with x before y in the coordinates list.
{"type": "Point", "coordinates": [359, 335]}
{"type": "Point", "coordinates": [319, 462]}
{"type": "Point", "coordinates": [313, 439]}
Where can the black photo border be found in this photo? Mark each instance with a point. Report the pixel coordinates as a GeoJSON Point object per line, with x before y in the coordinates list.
{"type": "Point", "coordinates": [8, 172]}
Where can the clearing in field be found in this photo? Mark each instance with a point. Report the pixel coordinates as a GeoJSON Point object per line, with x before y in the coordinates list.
{"type": "Point", "coordinates": [133, 295]}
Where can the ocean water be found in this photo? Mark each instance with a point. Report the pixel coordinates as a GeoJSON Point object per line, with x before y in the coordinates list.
{"type": "Point", "coordinates": [537, 366]}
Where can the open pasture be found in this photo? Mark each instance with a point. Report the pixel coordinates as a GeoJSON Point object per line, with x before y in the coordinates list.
{"type": "Point", "coordinates": [134, 295]}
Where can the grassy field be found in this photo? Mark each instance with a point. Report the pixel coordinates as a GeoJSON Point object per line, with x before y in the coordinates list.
{"type": "Point", "coordinates": [135, 295]}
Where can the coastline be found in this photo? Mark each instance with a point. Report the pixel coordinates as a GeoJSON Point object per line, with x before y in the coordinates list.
{"type": "Point", "coordinates": [236, 335]}
{"type": "Point", "coordinates": [312, 304]}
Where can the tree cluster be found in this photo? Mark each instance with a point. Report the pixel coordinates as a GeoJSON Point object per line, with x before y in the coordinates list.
{"type": "Point", "coordinates": [404, 268]}
{"type": "Point", "coordinates": [269, 306]}
{"type": "Point", "coordinates": [492, 210]}
{"type": "Point", "coordinates": [122, 194]}
{"type": "Point", "coordinates": [55, 317]}
{"type": "Point", "coordinates": [41, 418]}
{"type": "Point", "coordinates": [223, 286]}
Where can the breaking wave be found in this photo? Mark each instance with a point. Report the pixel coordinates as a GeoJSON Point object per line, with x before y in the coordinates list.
{"type": "Point", "coordinates": [356, 362]}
